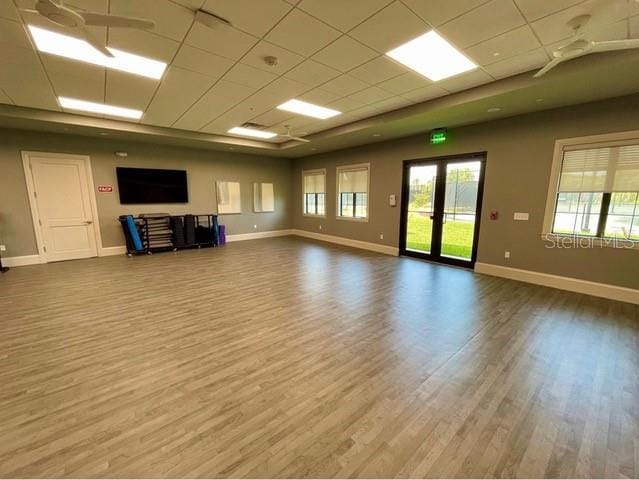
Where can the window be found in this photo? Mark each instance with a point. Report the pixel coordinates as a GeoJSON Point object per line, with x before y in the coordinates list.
{"type": "Point", "coordinates": [597, 191]}
{"type": "Point", "coordinates": [352, 192]}
{"type": "Point", "coordinates": [314, 183]}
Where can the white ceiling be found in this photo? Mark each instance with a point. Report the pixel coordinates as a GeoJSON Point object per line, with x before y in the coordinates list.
{"type": "Point", "coordinates": [330, 52]}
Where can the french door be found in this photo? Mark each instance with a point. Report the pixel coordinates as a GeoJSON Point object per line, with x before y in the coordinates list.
{"type": "Point", "coordinates": [441, 208]}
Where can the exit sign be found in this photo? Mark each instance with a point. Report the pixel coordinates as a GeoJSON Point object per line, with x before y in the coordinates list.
{"type": "Point", "coordinates": [438, 136]}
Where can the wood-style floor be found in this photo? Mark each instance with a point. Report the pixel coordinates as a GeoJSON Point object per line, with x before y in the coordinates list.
{"type": "Point", "coordinates": [287, 358]}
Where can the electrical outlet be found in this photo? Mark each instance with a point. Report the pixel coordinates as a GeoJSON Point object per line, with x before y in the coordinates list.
{"type": "Point", "coordinates": [506, 254]}
{"type": "Point", "coordinates": [381, 236]}
{"type": "Point", "coordinates": [320, 227]}
{"type": "Point", "coordinates": [3, 248]}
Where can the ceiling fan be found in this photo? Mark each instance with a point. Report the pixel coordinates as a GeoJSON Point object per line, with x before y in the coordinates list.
{"type": "Point", "coordinates": [292, 137]}
{"type": "Point", "coordinates": [580, 46]}
{"type": "Point", "coordinates": [64, 16]}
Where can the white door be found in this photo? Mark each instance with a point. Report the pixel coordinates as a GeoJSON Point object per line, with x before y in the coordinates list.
{"type": "Point", "coordinates": [62, 196]}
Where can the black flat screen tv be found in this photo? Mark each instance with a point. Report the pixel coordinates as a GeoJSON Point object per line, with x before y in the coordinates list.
{"type": "Point", "coordinates": [147, 185]}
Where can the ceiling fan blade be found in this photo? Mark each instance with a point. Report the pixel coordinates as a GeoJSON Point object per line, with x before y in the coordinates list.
{"type": "Point", "coordinates": [299, 139]}
{"type": "Point", "coordinates": [28, 10]}
{"type": "Point", "coordinates": [611, 46]}
{"type": "Point", "coordinates": [115, 21]}
{"type": "Point", "coordinates": [549, 66]}
{"type": "Point", "coordinates": [94, 42]}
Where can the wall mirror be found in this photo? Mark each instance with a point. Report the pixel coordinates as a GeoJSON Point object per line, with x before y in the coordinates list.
{"type": "Point", "coordinates": [263, 197]}
{"type": "Point", "coordinates": [228, 197]}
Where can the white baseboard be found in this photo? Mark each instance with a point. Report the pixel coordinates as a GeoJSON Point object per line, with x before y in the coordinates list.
{"type": "Point", "coordinates": [108, 251]}
{"type": "Point", "coordinates": [374, 247]}
{"type": "Point", "coordinates": [238, 237]}
{"type": "Point", "coordinates": [603, 290]}
{"type": "Point", "coordinates": [21, 261]}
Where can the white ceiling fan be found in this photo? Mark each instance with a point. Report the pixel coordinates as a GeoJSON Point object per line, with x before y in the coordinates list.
{"type": "Point", "coordinates": [292, 137]}
{"type": "Point", "coordinates": [580, 45]}
{"type": "Point", "coordinates": [64, 16]}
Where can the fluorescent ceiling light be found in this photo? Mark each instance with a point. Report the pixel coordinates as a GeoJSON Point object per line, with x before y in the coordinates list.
{"type": "Point", "coordinates": [251, 132]}
{"type": "Point", "coordinates": [308, 109]}
{"type": "Point", "coordinates": [84, 106]}
{"type": "Point", "coordinates": [432, 56]}
{"type": "Point", "coordinates": [77, 49]}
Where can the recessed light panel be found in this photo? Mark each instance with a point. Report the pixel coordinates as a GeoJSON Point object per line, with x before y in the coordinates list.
{"type": "Point", "coordinates": [251, 132]}
{"type": "Point", "coordinates": [103, 108]}
{"type": "Point", "coordinates": [308, 109]}
{"type": "Point", "coordinates": [432, 56]}
{"type": "Point", "coordinates": [77, 49]}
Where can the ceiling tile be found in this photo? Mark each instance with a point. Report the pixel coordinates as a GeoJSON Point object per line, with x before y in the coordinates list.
{"type": "Point", "coordinates": [286, 88]}
{"type": "Point", "coordinates": [554, 28]}
{"type": "Point", "coordinates": [4, 98]}
{"type": "Point", "coordinates": [249, 76]}
{"type": "Point", "coordinates": [143, 43]}
{"type": "Point", "coordinates": [312, 73]}
{"type": "Point", "coordinates": [272, 117]}
{"type": "Point", "coordinates": [319, 96]}
{"type": "Point", "coordinates": [178, 91]}
{"type": "Point", "coordinates": [302, 33]}
{"type": "Point", "coordinates": [436, 12]}
{"type": "Point", "coordinates": [370, 95]}
{"type": "Point", "coordinates": [506, 45]}
{"type": "Point", "coordinates": [171, 20]}
{"type": "Point", "coordinates": [253, 17]}
{"type": "Point", "coordinates": [392, 103]}
{"type": "Point", "coordinates": [345, 104]}
{"type": "Point", "coordinates": [13, 33]}
{"type": "Point", "coordinates": [425, 93]}
{"type": "Point", "coordinates": [344, 85]}
{"type": "Point", "coordinates": [224, 40]}
{"type": "Point", "coordinates": [9, 11]}
{"type": "Point", "coordinates": [535, 9]}
{"type": "Point", "coordinates": [484, 22]}
{"type": "Point", "coordinates": [344, 54]}
{"type": "Point", "coordinates": [130, 91]}
{"type": "Point", "coordinates": [378, 70]}
{"type": "Point", "coordinates": [465, 81]}
{"type": "Point", "coordinates": [405, 83]}
{"type": "Point", "coordinates": [376, 32]}
{"type": "Point", "coordinates": [23, 79]}
{"type": "Point", "coordinates": [285, 59]}
{"type": "Point", "coordinates": [334, 13]}
{"type": "Point", "coordinates": [72, 79]}
{"type": "Point", "coordinates": [519, 64]}
{"type": "Point", "coordinates": [220, 98]}
{"type": "Point", "coordinates": [200, 61]}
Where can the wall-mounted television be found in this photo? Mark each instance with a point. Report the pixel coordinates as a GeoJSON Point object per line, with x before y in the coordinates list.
{"type": "Point", "coordinates": [147, 185]}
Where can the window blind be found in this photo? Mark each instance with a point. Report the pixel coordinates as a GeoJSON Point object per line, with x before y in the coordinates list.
{"type": "Point", "coordinates": [314, 183]}
{"type": "Point", "coordinates": [606, 169]}
{"type": "Point", "coordinates": [353, 180]}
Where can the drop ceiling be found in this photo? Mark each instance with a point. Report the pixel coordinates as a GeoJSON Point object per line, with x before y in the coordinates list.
{"type": "Point", "coordinates": [330, 52]}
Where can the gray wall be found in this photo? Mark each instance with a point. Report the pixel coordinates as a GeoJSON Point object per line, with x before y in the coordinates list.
{"type": "Point", "coordinates": [520, 154]}
{"type": "Point", "coordinates": [203, 169]}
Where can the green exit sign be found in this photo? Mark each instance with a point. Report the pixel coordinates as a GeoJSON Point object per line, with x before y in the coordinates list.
{"type": "Point", "coordinates": [438, 136]}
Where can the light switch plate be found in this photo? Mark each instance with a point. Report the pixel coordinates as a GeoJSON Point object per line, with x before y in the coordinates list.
{"type": "Point", "coordinates": [521, 216]}
{"type": "Point", "coordinates": [3, 248]}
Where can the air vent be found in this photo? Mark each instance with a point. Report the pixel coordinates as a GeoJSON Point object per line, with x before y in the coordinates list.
{"type": "Point", "coordinates": [253, 125]}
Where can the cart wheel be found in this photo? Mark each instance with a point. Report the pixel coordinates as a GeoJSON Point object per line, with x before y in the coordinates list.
{"type": "Point", "coordinates": [149, 253]}
{"type": "Point", "coordinates": [175, 249]}
{"type": "Point", "coordinates": [129, 255]}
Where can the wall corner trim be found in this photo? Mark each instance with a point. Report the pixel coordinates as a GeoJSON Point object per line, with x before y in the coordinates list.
{"type": "Point", "coordinates": [604, 290]}
{"type": "Point", "coordinates": [373, 247]}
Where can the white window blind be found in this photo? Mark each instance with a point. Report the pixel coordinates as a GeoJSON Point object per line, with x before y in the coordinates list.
{"type": "Point", "coordinates": [355, 180]}
{"type": "Point", "coordinates": [314, 182]}
{"type": "Point", "coordinates": [607, 169]}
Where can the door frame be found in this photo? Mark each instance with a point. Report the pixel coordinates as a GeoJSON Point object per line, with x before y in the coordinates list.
{"type": "Point", "coordinates": [438, 205]}
{"type": "Point", "coordinates": [35, 215]}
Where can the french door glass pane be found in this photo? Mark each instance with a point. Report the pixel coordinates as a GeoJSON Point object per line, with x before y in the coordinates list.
{"type": "Point", "coordinates": [421, 206]}
{"type": "Point", "coordinates": [460, 207]}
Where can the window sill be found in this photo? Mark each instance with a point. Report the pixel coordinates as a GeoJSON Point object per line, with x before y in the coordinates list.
{"type": "Point", "coordinates": [310, 215]}
{"type": "Point", "coordinates": [352, 219]}
{"type": "Point", "coordinates": [557, 240]}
